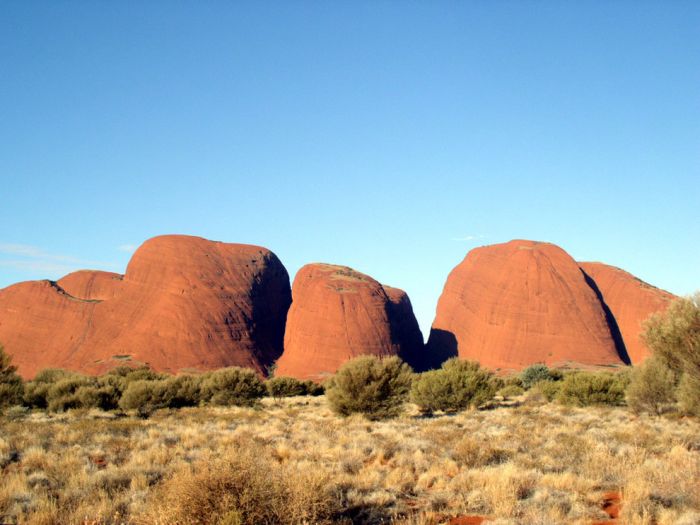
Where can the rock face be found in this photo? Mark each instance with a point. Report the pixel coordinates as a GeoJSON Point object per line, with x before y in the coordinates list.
{"type": "Point", "coordinates": [183, 303]}
{"type": "Point", "coordinates": [92, 284]}
{"type": "Point", "coordinates": [523, 302]}
{"type": "Point", "coordinates": [337, 314]}
{"type": "Point", "coordinates": [630, 300]}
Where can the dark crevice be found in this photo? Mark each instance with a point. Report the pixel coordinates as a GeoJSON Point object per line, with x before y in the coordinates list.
{"type": "Point", "coordinates": [61, 291]}
{"type": "Point", "coordinates": [610, 318]}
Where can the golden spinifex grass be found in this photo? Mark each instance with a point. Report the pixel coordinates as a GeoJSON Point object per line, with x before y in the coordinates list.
{"type": "Point", "coordinates": [294, 461]}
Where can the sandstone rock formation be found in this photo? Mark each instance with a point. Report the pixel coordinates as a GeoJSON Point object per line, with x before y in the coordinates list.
{"type": "Point", "coordinates": [92, 284]}
{"type": "Point", "coordinates": [338, 313]}
{"type": "Point", "coordinates": [183, 303]}
{"type": "Point", "coordinates": [514, 304]}
{"type": "Point", "coordinates": [631, 302]}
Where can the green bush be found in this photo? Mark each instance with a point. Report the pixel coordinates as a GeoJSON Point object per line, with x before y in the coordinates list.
{"type": "Point", "coordinates": [144, 396]}
{"type": "Point", "coordinates": [653, 387]}
{"type": "Point", "coordinates": [688, 394]}
{"type": "Point", "coordinates": [373, 386]}
{"type": "Point", "coordinates": [674, 338]}
{"type": "Point", "coordinates": [315, 389]}
{"type": "Point", "coordinates": [510, 391]}
{"type": "Point", "coordinates": [36, 391]}
{"type": "Point", "coordinates": [536, 373]}
{"type": "Point", "coordinates": [35, 394]}
{"type": "Point", "coordinates": [232, 386]}
{"type": "Point", "coordinates": [62, 395]}
{"type": "Point", "coordinates": [278, 387]}
{"type": "Point", "coordinates": [182, 391]}
{"type": "Point", "coordinates": [593, 388]}
{"type": "Point", "coordinates": [102, 397]}
{"type": "Point", "coordinates": [11, 384]}
{"type": "Point", "coordinates": [456, 386]}
{"type": "Point", "coordinates": [548, 388]}
{"type": "Point", "coordinates": [513, 380]}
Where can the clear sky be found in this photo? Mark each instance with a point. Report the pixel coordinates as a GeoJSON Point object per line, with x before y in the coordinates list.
{"type": "Point", "coordinates": [392, 137]}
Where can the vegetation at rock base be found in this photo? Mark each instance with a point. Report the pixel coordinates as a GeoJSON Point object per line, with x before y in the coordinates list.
{"type": "Point", "coordinates": [373, 386]}
{"type": "Point", "coordinates": [456, 386]}
{"type": "Point", "coordinates": [11, 385]}
{"type": "Point", "coordinates": [539, 372]}
{"type": "Point", "coordinates": [674, 338]}
{"type": "Point", "coordinates": [279, 387]}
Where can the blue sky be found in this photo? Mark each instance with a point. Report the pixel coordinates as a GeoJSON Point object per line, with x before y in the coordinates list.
{"type": "Point", "coordinates": [392, 137]}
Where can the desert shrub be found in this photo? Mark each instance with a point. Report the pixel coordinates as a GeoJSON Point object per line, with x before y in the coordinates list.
{"type": "Point", "coordinates": [674, 335]}
{"type": "Point", "coordinates": [51, 375]}
{"type": "Point", "coordinates": [135, 373]}
{"type": "Point", "coordinates": [513, 380]}
{"type": "Point", "coordinates": [315, 389]}
{"type": "Point", "coordinates": [653, 387]}
{"type": "Point", "coordinates": [11, 384]}
{"type": "Point", "coordinates": [182, 391]}
{"type": "Point", "coordinates": [35, 394]}
{"type": "Point", "coordinates": [246, 488]}
{"type": "Point", "coordinates": [102, 397]}
{"type": "Point", "coordinates": [497, 383]}
{"type": "Point", "coordinates": [117, 383]}
{"type": "Point", "coordinates": [286, 387]}
{"type": "Point", "coordinates": [536, 373]}
{"type": "Point", "coordinates": [456, 386]}
{"type": "Point", "coordinates": [510, 391]}
{"type": "Point", "coordinates": [547, 388]}
{"type": "Point", "coordinates": [674, 338]}
{"type": "Point", "coordinates": [688, 394]}
{"type": "Point", "coordinates": [373, 386]}
{"type": "Point", "coordinates": [143, 373]}
{"type": "Point", "coordinates": [143, 396]}
{"type": "Point", "coordinates": [121, 376]}
{"type": "Point", "coordinates": [62, 395]}
{"type": "Point", "coordinates": [593, 388]}
{"type": "Point", "coordinates": [36, 391]}
{"type": "Point", "coordinates": [232, 386]}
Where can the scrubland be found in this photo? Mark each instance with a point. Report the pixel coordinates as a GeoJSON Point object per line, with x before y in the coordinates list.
{"type": "Point", "coordinates": [294, 461]}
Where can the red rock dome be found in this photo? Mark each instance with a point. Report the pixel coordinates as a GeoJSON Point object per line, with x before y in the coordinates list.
{"type": "Point", "coordinates": [184, 303]}
{"type": "Point", "coordinates": [511, 305]}
{"type": "Point", "coordinates": [338, 313]}
{"type": "Point", "coordinates": [631, 302]}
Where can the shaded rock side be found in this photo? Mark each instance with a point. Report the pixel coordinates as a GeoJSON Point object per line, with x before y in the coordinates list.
{"type": "Point", "coordinates": [511, 305]}
{"type": "Point", "coordinates": [338, 313]}
{"type": "Point", "coordinates": [631, 302]}
{"type": "Point", "coordinates": [183, 303]}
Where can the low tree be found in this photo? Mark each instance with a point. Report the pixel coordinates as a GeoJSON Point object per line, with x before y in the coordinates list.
{"type": "Point", "coordinates": [674, 338]}
{"type": "Point", "coordinates": [374, 386]}
{"type": "Point", "coordinates": [653, 387]}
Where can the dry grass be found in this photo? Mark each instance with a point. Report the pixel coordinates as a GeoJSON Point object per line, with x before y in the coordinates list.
{"type": "Point", "coordinates": [293, 461]}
